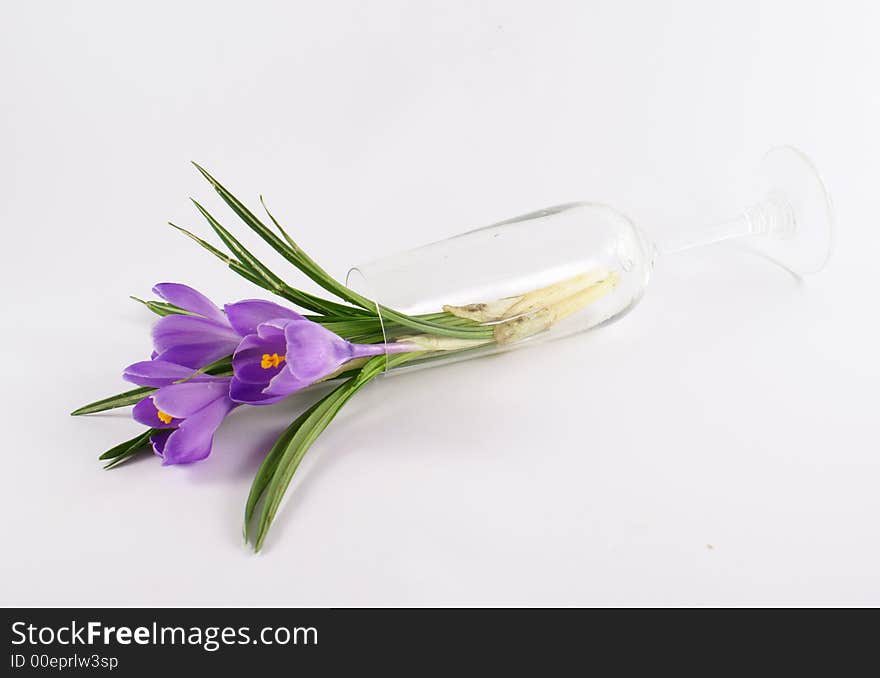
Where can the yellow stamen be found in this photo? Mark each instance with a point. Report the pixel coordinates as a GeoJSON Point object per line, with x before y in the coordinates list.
{"type": "Point", "coordinates": [164, 417]}
{"type": "Point", "coordinates": [273, 360]}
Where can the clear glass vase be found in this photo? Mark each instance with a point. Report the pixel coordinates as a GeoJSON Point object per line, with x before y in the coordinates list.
{"type": "Point", "coordinates": [571, 268]}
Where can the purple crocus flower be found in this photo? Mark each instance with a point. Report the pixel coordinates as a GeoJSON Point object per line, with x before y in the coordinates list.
{"type": "Point", "coordinates": [282, 352]}
{"type": "Point", "coordinates": [276, 351]}
{"type": "Point", "coordinates": [194, 340]}
{"type": "Point", "coordinates": [186, 412]}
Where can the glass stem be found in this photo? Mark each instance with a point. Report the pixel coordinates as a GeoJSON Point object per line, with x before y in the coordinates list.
{"type": "Point", "coordinates": [773, 216]}
{"type": "Point", "coordinates": [738, 227]}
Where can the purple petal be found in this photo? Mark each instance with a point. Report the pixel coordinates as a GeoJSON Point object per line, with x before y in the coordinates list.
{"type": "Point", "coordinates": [184, 400]}
{"type": "Point", "coordinates": [248, 367]}
{"type": "Point", "coordinates": [146, 413]}
{"type": "Point", "coordinates": [193, 439]}
{"type": "Point", "coordinates": [245, 316]}
{"type": "Point", "coordinates": [285, 383]}
{"type": "Point", "coordinates": [189, 300]}
{"type": "Point", "coordinates": [248, 358]}
{"type": "Point", "coordinates": [189, 329]}
{"type": "Point", "coordinates": [314, 352]}
{"type": "Point", "coordinates": [159, 373]}
{"type": "Point", "coordinates": [273, 329]}
{"type": "Point", "coordinates": [157, 442]}
{"type": "Point", "coordinates": [195, 356]}
{"type": "Point", "coordinates": [251, 394]}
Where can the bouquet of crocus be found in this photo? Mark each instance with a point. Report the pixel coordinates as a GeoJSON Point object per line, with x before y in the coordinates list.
{"type": "Point", "coordinates": [208, 361]}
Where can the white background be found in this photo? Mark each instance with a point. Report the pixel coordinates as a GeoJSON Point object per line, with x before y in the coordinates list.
{"type": "Point", "coordinates": [718, 445]}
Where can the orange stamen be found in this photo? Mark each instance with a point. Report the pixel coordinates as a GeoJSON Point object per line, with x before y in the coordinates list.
{"type": "Point", "coordinates": [273, 360]}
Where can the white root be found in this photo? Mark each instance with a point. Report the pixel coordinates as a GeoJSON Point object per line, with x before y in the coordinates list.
{"type": "Point", "coordinates": [434, 342]}
{"type": "Point", "coordinates": [484, 312]}
{"type": "Point", "coordinates": [511, 307]}
{"type": "Point", "coordinates": [542, 319]}
{"type": "Point", "coordinates": [519, 317]}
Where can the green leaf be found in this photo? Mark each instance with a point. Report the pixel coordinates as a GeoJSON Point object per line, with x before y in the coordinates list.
{"type": "Point", "coordinates": [235, 265]}
{"type": "Point", "coordinates": [297, 440]}
{"type": "Point", "coordinates": [295, 255]}
{"type": "Point", "coordinates": [140, 449]}
{"type": "Point", "coordinates": [285, 250]}
{"type": "Point", "coordinates": [293, 452]}
{"type": "Point", "coordinates": [274, 283]}
{"type": "Point", "coordinates": [289, 249]}
{"type": "Point", "coordinates": [237, 249]}
{"type": "Point", "coordinates": [120, 449]}
{"type": "Point", "coordinates": [284, 233]}
{"type": "Point", "coordinates": [373, 338]}
{"type": "Point", "coordinates": [128, 449]}
{"type": "Point", "coordinates": [219, 368]}
{"type": "Point", "coordinates": [270, 463]}
{"type": "Point", "coordinates": [303, 299]}
{"type": "Point", "coordinates": [118, 400]}
{"type": "Point", "coordinates": [435, 323]}
{"type": "Point", "coordinates": [348, 329]}
{"type": "Point", "coordinates": [163, 308]}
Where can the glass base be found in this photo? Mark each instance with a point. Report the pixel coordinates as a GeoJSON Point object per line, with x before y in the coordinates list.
{"type": "Point", "coordinates": [792, 225]}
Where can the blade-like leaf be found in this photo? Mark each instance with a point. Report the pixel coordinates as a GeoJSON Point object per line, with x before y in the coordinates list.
{"type": "Point", "coordinates": [298, 257]}
{"type": "Point", "coordinates": [280, 228]}
{"type": "Point", "coordinates": [219, 368]}
{"type": "Point", "coordinates": [118, 400]}
{"type": "Point", "coordinates": [293, 252]}
{"type": "Point", "coordinates": [162, 308]}
{"type": "Point", "coordinates": [120, 449]}
{"type": "Point", "coordinates": [290, 253]}
{"type": "Point", "coordinates": [436, 323]}
{"type": "Point", "coordinates": [140, 449]}
{"type": "Point", "coordinates": [355, 328]}
{"type": "Point", "coordinates": [293, 453]}
{"type": "Point", "coordinates": [270, 463]}
{"type": "Point", "coordinates": [235, 265]}
{"type": "Point", "coordinates": [237, 249]}
{"type": "Point", "coordinates": [289, 250]}
{"type": "Point", "coordinates": [303, 299]}
{"type": "Point", "coordinates": [318, 418]}
{"type": "Point", "coordinates": [275, 283]}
